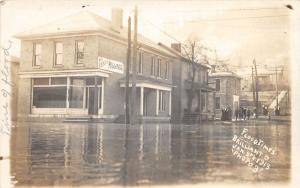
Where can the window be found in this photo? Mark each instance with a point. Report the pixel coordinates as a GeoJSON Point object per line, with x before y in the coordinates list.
{"type": "Point", "coordinates": [162, 101]}
{"type": "Point", "coordinates": [218, 103]}
{"type": "Point", "coordinates": [218, 84]}
{"type": "Point", "coordinates": [76, 92]}
{"type": "Point", "coordinates": [140, 65]}
{"type": "Point", "coordinates": [203, 101]}
{"type": "Point", "coordinates": [58, 53]}
{"type": "Point", "coordinates": [167, 70]}
{"type": "Point", "coordinates": [159, 68]}
{"type": "Point", "coordinates": [79, 52]}
{"type": "Point", "coordinates": [49, 92]}
{"type": "Point", "coordinates": [37, 49]}
{"type": "Point", "coordinates": [153, 66]}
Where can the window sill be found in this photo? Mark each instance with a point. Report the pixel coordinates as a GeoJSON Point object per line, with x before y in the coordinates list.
{"type": "Point", "coordinates": [79, 65]}
{"type": "Point", "coordinates": [36, 67]}
{"type": "Point", "coordinates": [57, 66]}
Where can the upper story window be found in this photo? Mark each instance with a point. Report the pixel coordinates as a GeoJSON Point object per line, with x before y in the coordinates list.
{"type": "Point", "coordinates": [37, 50]}
{"type": "Point", "coordinates": [58, 53]}
{"type": "Point", "coordinates": [158, 67]}
{"type": "Point", "coordinates": [79, 52]}
{"type": "Point", "coordinates": [140, 63]}
{"type": "Point", "coordinates": [199, 76]}
{"type": "Point", "coordinates": [218, 84]}
{"type": "Point", "coordinates": [167, 70]}
{"type": "Point", "coordinates": [153, 66]}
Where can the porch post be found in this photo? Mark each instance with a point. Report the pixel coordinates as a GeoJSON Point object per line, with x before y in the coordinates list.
{"type": "Point", "coordinates": [102, 95]}
{"type": "Point", "coordinates": [68, 88]}
{"type": "Point", "coordinates": [157, 102]}
{"type": "Point", "coordinates": [95, 96]}
{"type": "Point", "coordinates": [142, 101]}
{"type": "Point", "coordinates": [170, 103]}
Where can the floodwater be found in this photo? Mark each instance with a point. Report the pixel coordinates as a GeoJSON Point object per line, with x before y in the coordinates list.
{"type": "Point", "coordinates": [52, 154]}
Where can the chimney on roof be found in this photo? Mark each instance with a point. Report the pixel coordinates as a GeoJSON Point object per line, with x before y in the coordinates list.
{"type": "Point", "coordinates": [117, 19]}
{"type": "Point", "coordinates": [176, 46]}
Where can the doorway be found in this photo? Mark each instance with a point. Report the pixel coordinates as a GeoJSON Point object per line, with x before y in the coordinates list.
{"type": "Point", "coordinates": [93, 99]}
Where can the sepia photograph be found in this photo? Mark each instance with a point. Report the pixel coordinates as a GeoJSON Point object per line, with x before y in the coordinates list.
{"type": "Point", "coordinates": [149, 93]}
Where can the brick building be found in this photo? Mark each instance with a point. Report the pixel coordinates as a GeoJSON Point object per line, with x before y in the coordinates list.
{"type": "Point", "coordinates": [227, 92]}
{"type": "Point", "coordinates": [75, 67]}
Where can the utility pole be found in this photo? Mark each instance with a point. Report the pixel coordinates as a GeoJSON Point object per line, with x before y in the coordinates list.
{"type": "Point", "coordinates": [253, 87]}
{"type": "Point", "coordinates": [127, 116]}
{"type": "Point", "coordinates": [276, 87]}
{"type": "Point", "coordinates": [256, 88]}
{"type": "Point", "coordinates": [133, 94]}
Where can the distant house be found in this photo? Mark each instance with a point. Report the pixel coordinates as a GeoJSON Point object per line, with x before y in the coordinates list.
{"type": "Point", "coordinates": [182, 74]}
{"type": "Point", "coordinates": [227, 91]}
{"type": "Point", "coordinates": [75, 67]}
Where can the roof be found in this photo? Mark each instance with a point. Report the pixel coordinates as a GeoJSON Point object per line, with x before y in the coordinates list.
{"type": "Point", "coordinates": [85, 22]}
{"type": "Point", "coordinates": [145, 79]}
{"type": "Point", "coordinates": [224, 74]}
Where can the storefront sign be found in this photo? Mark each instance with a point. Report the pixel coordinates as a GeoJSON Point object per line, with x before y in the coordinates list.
{"type": "Point", "coordinates": [110, 65]}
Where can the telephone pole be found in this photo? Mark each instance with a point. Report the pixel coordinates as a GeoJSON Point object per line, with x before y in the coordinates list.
{"type": "Point", "coordinates": [256, 87]}
{"type": "Point", "coordinates": [127, 116]}
{"type": "Point", "coordinates": [276, 87]}
{"type": "Point", "coordinates": [253, 87]}
{"type": "Point", "coordinates": [133, 95]}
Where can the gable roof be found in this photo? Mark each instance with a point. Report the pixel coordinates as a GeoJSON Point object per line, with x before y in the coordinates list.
{"type": "Point", "coordinates": [86, 22]}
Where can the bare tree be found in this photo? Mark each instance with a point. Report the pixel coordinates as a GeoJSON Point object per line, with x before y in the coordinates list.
{"type": "Point", "coordinates": [193, 52]}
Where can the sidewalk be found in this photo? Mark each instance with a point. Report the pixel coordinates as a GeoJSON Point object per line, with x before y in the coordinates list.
{"type": "Point", "coordinates": [276, 118]}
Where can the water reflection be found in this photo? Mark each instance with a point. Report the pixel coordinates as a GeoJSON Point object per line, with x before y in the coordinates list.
{"type": "Point", "coordinates": [109, 154]}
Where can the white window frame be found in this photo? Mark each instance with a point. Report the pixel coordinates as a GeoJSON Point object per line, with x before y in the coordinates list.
{"type": "Point", "coordinates": [37, 56]}
{"type": "Point", "coordinates": [140, 63]}
{"type": "Point", "coordinates": [77, 51]}
{"type": "Point", "coordinates": [162, 101]}
{"type": "Point", "coordinates": [56, 53]}
{"type": "Point", "coordinates": [159, 68]}
{"type": "Point", "coordinates": [167, 70]}
{"type": "Point", "coordinates": [153, 60]}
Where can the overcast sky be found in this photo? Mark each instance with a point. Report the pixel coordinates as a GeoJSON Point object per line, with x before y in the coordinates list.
{"type": "Point", "coordinates": [237, 30]}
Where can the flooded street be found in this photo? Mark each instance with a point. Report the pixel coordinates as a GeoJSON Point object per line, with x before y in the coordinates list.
{"type": "Point", "coordinates": [74, 154]}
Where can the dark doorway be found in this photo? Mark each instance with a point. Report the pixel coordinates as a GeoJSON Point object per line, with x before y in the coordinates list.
{"type": "Point", "coordinates": [93, 101]}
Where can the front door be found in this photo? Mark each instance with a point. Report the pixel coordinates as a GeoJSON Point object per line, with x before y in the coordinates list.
{"type": "Point", "coordinates": [92, 101]}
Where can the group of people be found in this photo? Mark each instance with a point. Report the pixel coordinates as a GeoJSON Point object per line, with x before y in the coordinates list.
{"type": "Point", "coordinates": [242, 113]}
{"type": "Point", "coordinates": [226, 114]}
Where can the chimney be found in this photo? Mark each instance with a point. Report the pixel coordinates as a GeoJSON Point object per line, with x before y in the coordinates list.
{"type": "Point", "coordinates": [213, 68]}
{"type": "Point", "coordinates": [117, 19]}
{"type": "Point", "coordinates": [176, 46]}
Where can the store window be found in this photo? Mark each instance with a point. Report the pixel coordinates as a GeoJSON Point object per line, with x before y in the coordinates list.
{"type": "Point", "coordinates": [37, 50]}
{"type": "Point", "coordinates": [48, 93]}
{"type": "Point", "coordinates": [76, 92]}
